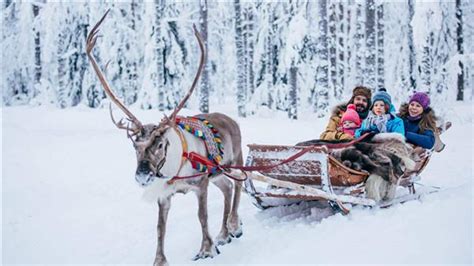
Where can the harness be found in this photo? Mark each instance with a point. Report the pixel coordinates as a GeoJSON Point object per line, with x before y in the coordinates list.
{"type": "Point", "coordinates": [200, 128]}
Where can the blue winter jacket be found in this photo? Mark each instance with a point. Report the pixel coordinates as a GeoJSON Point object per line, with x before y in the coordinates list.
{"type": "Point", "coordinates": [394, 125]}
{"type": "Point", "coordinates": [412, 133]}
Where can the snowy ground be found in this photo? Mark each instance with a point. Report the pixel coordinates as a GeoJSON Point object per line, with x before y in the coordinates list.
{"type": "Point", "coordinates": [69, 196]}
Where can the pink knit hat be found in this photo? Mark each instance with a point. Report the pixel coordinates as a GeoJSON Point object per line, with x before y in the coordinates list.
{"type": "Point", "coordinates": [351, 115]}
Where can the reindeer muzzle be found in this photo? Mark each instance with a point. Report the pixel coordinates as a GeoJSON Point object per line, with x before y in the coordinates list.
{"type": "Point", "coordinates": [144, 175]}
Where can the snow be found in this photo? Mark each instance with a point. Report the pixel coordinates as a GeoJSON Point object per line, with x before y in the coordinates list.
{"type": "Point", "coordinates": [69, 196]}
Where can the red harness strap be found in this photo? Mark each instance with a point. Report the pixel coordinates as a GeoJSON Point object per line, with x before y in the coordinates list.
{"type": "Point", "coordinates": [196, 158]}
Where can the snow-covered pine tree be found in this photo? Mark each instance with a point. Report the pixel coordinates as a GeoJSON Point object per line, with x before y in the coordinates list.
{"type": "Point", "coordinates": [221, 54]}
{"type": "Point", "coordinates": [321, 97]}
{"type": "Point", "coordinates": [179, 40]}
{"type": "Point", "coordinates": [293, 55]}
{"type": "Point", "coordinates": [94, 94]}
{"type": "Point", "coordinates": [18, 76]}
{"type": "Point", "coordinates": [79, 59]}
{"type": "Point", "coordinates": [359, 39]}
{"type": "Point", "coordinates": [468, 37]}
{"type": "Point", "coordinates": [444, 47]}
{"type": "Point", "coordinates": [128, 51]}
{"type": "Point", "coordinates": [426, 62]}
{"type": "Point", "coordinates": [63, 67]}
{"type": "Point", "coordinates": [332, 43]}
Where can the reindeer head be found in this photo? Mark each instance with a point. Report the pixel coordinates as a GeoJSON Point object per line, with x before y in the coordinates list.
{"type": "Point", "coordinates": [149, 141]}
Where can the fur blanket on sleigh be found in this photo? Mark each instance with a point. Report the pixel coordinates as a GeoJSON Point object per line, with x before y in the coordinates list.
{"type": "Point", "coordinates": [386, 157]}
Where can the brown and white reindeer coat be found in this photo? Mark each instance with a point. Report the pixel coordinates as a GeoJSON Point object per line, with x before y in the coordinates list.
{"type": "Point", "coordinates": [159, 148]}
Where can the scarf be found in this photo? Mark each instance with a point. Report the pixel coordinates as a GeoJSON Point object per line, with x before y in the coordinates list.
{"type": "Point", "coordinates": [380, 121]}
{"type": "Point", "coordinates": [413, 118]}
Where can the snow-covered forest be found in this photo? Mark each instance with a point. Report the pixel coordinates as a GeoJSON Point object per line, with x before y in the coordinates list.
{"type": "Point", "coordinates": [296, 57]}
{"type": "Point", "coordinates": [69, 194]}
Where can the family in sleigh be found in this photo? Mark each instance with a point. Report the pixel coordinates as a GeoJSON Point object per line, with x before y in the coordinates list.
{"type": "Point", "coordinates": [389, 144]}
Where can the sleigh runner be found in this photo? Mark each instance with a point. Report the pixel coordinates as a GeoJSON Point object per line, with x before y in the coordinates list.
{"type": "Point", "coordinates": [317, 175]}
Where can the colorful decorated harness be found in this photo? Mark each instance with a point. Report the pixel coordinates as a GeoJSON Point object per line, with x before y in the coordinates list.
{"type": "Point", "coordinates": [201, 128]}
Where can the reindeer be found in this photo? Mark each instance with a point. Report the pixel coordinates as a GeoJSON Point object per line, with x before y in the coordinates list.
{"type": "Point", "coordinates": [159, 149]}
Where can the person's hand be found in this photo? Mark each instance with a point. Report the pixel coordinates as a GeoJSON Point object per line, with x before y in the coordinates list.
{"type": "Point", "coordinates": [369, 130]}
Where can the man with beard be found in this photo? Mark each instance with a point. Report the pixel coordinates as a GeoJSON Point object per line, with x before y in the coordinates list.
{"type": "Point", "coordinates": [361, 99]}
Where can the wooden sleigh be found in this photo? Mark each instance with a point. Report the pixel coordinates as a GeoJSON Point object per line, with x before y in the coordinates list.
{"type": "Point", "coordinates": [317, 176]}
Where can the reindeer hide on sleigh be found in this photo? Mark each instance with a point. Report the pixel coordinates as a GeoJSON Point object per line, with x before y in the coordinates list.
{"type": "Point", "coordinates": [386, 157]}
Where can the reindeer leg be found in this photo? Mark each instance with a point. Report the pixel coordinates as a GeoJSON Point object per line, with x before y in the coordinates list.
{"type": "Point", "coordinates": [234, 224]}
{"type": "Point", "coordinates": [225, 186]}
{"type": "Point", "coordinates": [208, 249]}
{"type": "Point", "coordinates": [164, 206]}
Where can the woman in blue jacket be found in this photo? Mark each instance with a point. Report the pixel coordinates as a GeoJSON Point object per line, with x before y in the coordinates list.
{"type": "Point", "coordinates": [419, 120]}
{"type": "Point", "coordinates": [381, 118]}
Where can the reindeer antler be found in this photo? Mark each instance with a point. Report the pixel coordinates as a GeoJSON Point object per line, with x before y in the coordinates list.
{"type": "Point", "coordinates": [196, 78]}
{"type": "Point", "coordinates": [91, 41]}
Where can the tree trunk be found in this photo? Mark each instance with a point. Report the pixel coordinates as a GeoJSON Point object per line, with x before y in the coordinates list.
{"type": "Point", "coordinates": [293, 93]}
{"type": "Point", "coordinates": [341, 48]}
{"type": "Point", "coordinates": [241, 75]}
{"type": "Point", "coordinates": [460, 49]}
{"type": "Point", "coordinates": [370, 59]}
{"type": "Point", "coordinates": [411, 45]}
{"type": "Point", "coordinates": [37, 41]}
{"type": "Point", "coordinates": [360, 44]}
{"type": "Point", "coordinates": [270, 56]}
{"type": "Point", "coordinates": [380, 47]}
{"type": "Point", "coordinates": [159, 80]}
{"type": "Point", "coordinates": [204, 89]}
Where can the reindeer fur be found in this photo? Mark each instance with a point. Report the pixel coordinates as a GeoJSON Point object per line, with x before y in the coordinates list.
{"type": "Point", "coordinates": [159, 190]}
{"type": "Point", "coordinates": [386, 157]}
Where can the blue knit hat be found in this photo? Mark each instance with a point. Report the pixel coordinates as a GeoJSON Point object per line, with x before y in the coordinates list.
{"type": "Point", "coordinates": [382, 95]}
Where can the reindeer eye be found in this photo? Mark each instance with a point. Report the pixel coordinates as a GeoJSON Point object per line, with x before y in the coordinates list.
{"type": "Point", "coordinates": [160, 145]}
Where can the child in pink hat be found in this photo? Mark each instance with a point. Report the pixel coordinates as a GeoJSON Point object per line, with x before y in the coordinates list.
{"type": "Point", "coordinates": [350, 120]}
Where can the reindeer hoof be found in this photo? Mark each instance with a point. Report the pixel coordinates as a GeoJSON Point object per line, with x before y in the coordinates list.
{"type": "Point", "coordinates": [237, 233]}
{"type": "Point", "coordinates": [207, 254]}
{"type": "Point", "coordinates": [222, 240]}
{"type": "Point", "coordinates": [235, 229]}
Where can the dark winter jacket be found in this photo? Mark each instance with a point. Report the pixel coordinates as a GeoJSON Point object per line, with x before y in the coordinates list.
{"type": "Point", "coordinates": [412, 133]}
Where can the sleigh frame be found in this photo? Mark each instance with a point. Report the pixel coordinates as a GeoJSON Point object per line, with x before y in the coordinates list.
{"type": "Point", "coordinates": [317, 176]}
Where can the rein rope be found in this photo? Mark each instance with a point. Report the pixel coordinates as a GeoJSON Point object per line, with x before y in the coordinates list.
{"type": "Point", "coordinates": [296, 155]}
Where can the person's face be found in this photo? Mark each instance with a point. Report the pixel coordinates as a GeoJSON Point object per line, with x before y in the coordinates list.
{"type": "Point", "coordinates": [349, 124]}
{"type": "Point", "coordinates": [379, 108]}
{"type": "Point", "coordinates": [361, 103]}
{"type": "Point", "coordinates": [415, 109]}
